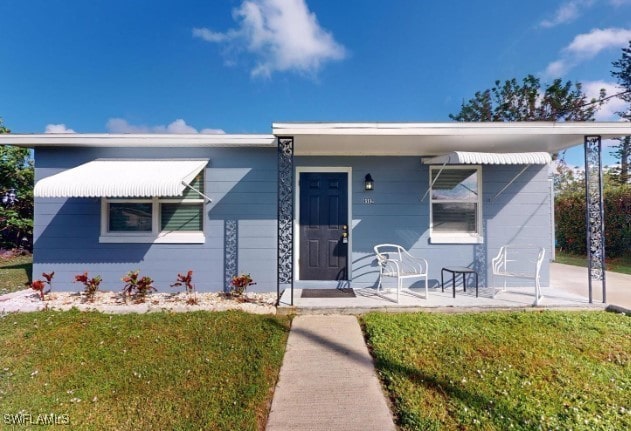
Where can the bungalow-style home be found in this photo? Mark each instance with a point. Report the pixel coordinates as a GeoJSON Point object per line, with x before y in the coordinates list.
{"type": "Point", "coordinates": [303, 206]}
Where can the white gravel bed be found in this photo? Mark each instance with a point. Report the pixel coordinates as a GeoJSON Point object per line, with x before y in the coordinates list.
{"type": "Point", "coordinates": [112, 302]}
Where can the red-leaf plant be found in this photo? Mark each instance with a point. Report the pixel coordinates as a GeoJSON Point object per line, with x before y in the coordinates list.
{"type": "Point", "coordinates": [137, 286]}
{"type": "Point", "coordinates": [239, 283]}
{"type": "Point", "coordinates": [40, 285]}
{"type": "Point", "coordinates": [187, 282]}
{"type": "Point", "coordinates": [91, 285]}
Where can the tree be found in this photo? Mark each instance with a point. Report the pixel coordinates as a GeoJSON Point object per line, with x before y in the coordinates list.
{"type": "Point", "coordinates": [16, 172]}
{"type": "Point", "coordinates": [622, 73]}
{"type": "Point", "coordinates": [512, 101]}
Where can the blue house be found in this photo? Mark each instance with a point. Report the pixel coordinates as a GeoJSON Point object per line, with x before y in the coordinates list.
{"type": "Point", "coordinates": [300, 207]}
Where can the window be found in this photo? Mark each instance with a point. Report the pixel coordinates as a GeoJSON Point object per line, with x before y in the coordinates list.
{"type": "Point", "coordinates": [177, 219]}
{"type": "Point", "coordinates": [456, 204]}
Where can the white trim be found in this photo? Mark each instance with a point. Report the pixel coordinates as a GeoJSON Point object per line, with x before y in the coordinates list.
{"type": "Point", "coordinates": [604, 129]}
{"type": "Point", "coordinates": [457, 237]}
{"type": "Point", "coordinates": [145, 140]}
{"type": "Point", "coordinates": [349, 181]}
{"type": "Point", "coordinates": [155, 236]}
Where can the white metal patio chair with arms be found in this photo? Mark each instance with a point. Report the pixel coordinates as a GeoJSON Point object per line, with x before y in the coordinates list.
{"type": "Point", "coordinates": [394, 261]}
{"type": "Point", "coordinates": [500, 268]}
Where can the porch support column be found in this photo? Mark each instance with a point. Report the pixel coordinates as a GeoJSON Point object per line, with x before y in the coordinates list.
{"type": "Point", "coordinates": [285, 235]}
{"type": "Point", "coordinates": [594, 217]}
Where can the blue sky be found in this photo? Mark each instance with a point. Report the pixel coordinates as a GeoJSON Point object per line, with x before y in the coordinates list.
{"type": "Point", "coordinates": [237, 66]}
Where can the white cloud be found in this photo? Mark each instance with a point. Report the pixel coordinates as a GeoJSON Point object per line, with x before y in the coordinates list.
{"type": "Point", "coordinates": [58, 128]}
{"type": "Point", "coordinates": [556, 68]}
{"type": "Point", "coordinates": [589, 44]}
{"type": "Point", "coordinates": [119, 125]}
{"type": "Point", "coordinates": [567, 12]}
{"type": "Point", "coordinates": [208, 35]}
{"type": "Point", "coordinates": [283, 35]}
{"type": "Point", "coordinates": [572, 9]}
{"type": "Point", "coordinates": [607, 111]}
{"type": "Point", "coordinates": [586, 46]}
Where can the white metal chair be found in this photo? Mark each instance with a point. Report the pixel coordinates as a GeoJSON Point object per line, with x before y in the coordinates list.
{"type": "Point", "coordinates": [500, 268]}
{"type": "Point", "coordinates": [395, 261]}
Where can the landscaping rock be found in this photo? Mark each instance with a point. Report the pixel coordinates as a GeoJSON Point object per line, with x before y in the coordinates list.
{"type": "Point", "coordinates": [113, 303]}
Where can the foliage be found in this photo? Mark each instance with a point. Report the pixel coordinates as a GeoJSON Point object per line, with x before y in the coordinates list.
{"type": "Point", "coordinates": [622, 72]}
{"type": "Point", "coordinates": [136, 286]}
{"type": "Point", "coordinates": [15, 272]}
{"type": "Point", "coordinates": [239, 283]}
{"type": "Point", "coordinates": [500, 371]}
{"type": "Point", "coordinates": [40, 285]}
{"type": "Point", "coordinates": [156, 371]}
{"type": "Point", "coordinates": [570, 221]}
{"type": "Point", "coordinates": [16, 171]}
{"type": "Point", "coordinates": [512, 101]}
{"type": "Point", "coordinates": [186, 281]}
{"type": "Point", "coordinates": [91, 285]}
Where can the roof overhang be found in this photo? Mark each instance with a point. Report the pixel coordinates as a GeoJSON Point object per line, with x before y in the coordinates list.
{"type": "Point", "coordinates": [136, 140]}
{"type": "Point", "coordinates": [428, 139]}
{"type": "Point", "coordinates": [121, 178]}
{"type": "Point", "coordinates": [474, 158]}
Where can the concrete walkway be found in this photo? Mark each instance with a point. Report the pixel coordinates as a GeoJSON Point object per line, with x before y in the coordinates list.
{"type": "Point", "coordinates": [327, 380]}
{"type": "Point", "coordinates": [573, 279]}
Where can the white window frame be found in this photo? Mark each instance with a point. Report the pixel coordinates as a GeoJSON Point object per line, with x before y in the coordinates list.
{"type": "Point", "coordinates": [456, 237]}
{"type": "Point", "coordinates": [156, 235]}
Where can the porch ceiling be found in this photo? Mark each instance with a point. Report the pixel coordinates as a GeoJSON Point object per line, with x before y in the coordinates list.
{"type": "Point", "coordinates": [427, 139]}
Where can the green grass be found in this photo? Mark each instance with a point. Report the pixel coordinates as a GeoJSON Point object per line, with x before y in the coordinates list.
{"type": "Point", "coordinates": [200, 370]}
{"type": "Point", "coordinates": [14, 273]}
{"type": "Point", "coordinates": [619, 264]}
{"type": "Point", "coordinates": [499, 371]}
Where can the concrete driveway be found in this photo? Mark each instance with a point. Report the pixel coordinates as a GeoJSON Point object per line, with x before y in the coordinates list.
{"type": "Point", "coordinates": [573, 279]}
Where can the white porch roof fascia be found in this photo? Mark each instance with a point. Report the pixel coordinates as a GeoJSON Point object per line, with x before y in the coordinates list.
{"type": "Point", "coordinates": [430, 139]}
{"type": "Point", "coordinates": [145, 140]}
{"type": "Point", "coordinates": [121, 178]}
{"type": "Point", "coordinates": [473, 158]}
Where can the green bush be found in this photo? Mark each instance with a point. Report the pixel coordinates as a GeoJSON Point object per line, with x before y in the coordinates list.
{"type": "Point", "coordinates": [569, 211]}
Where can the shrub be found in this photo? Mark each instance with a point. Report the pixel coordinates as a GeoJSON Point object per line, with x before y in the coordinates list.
{"type": "Point", "coordinates": [40, 285]}
{"type": "Point", "coordinates": [91, 285]}
{"type": "Point", "coordinates": [187, 282]}
{"type": "Point", "coordinates": [239, 283]}
{"type": "Point", "coordinates": [570, 221]}
{"type": "Point", "coordinates": [136, 286]}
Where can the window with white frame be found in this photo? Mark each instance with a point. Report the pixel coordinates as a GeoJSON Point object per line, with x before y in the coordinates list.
{"type": "Point", "coordinates": [456, 204]}
{"type": "Point", "coordinates": [166, 219]}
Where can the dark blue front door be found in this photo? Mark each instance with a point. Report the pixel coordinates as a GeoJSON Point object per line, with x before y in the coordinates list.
{"type": "Point", "coordinates": [323, 226]}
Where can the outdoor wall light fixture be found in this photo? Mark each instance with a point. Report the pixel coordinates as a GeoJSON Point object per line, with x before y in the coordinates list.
{"type": "Point", "coordinates": [369, 183]}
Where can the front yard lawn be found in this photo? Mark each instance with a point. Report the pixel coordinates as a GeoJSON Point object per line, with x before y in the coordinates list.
{"type": "Point", "coordinates": [14, 272]}
{"type": "Point", "coordinates": [500, 371]}
{"type": "Point", "coordinates": [199, 370]}
{"type": "Point", "coordinates": [618, 264]}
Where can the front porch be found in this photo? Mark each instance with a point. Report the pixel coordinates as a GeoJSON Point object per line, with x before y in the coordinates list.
{"type": "Point", "coordinates": [569, 290]}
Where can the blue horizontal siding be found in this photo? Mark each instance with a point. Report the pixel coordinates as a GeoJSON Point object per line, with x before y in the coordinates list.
{"type": "Point", "coordinates": [241, 184]}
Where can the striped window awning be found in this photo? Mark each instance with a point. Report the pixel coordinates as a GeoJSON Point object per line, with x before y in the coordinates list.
{"type": "Point", "coordinates": [473, 158]}
{"type": "Point", "coordinates": [121, 179]}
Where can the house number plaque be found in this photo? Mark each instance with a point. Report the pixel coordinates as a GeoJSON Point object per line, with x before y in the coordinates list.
{"type": "Point", "coordinates": [368, 201]}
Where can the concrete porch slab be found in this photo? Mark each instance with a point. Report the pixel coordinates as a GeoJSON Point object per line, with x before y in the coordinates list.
{"type": "Point", "coordinates": [569, 290]}
{"type": "Point", "coordinates": [367, 299]}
